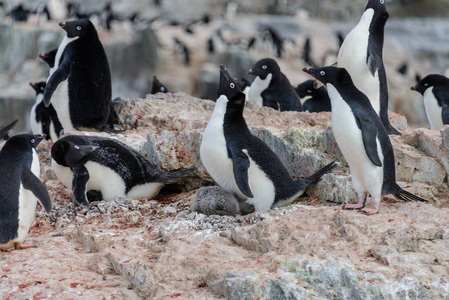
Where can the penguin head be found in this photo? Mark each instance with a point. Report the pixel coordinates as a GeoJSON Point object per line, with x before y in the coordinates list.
{"type": "Point", "coordinates": [242, 82]}
{"type": "Point", "coordinates": [264, 67]}
{"type": "Point", "coordinates": [79, 28]}
{"type": "Point", "coordinates": [49, 57]}
{"type": "Point", "coordinates": [379, 7]}
{"type": "Point", "coordinates": [25, 141]}
{"type": "Point", "coordinates": [305, 89]}
{"type": "Point", "coordinates": [332, 75]}
{"type": "Point", "coordinates": [68, 154]}
{"type": "Point", "coordinates": [39, 87]}
{"type": "Point", "coordinates": [228, 87]}
{"type": "Point", "coordinates": [429, 81]}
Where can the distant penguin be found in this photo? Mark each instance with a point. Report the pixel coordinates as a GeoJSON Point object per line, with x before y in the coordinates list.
{"type": "Point", "coordinates": [80, 86]}
{"type": "Point", "coordinates": [361, 55]}
{"type": "Point", "coordinates": [44, 119]}
{"type": "Point", "coordinates": [19, 14]}
{"type": "Point", "coordinates": [306, 53]}
{"type": "Point", "coordinates": [6, 130]}
{"type": "Point", "coordinates": [240, 162]}
{"type": "Point", "coordinates": [272, 88]}
{"type": "Point", "coordinates": [312, 99]}
{"type": "Point", "coordinates": [435, 91]}
{"type": "Point", "coordinates": [85, 163]}
{"type": "Point", "coordinates": [158, 87]}
{"type": "Point", "coordinates": [49, 57]}
{"type": "Point", "coordinates": [185, 51]}
{"type": "Point", "coordinates": [20, 190]}
{"type": "Point", "coordinates": [362, 139]}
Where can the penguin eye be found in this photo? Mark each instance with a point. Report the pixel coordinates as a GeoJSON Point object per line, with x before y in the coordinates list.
{"type": "Point", "coordinates": [78, 27]}
{"type": "Point", "coordinates": [76, 147]}
{"type": "Point", "coordinates": [232, 85]}
{"type": "Point", "coordinates": [309, 91]}
{"type": "Point", "coordinates": [426, 84]}
{"type": "Point", "coordinates": [162, 89]}
{"type": "Point", "coordinates": [32, 141]}
{"type": "Point", "coordinates": [382, 1]}
{"type": "Point", "coordinates": [322, 73]}
{"type": "Point", "coordinates": [42, 88]}
{"type": "Point", "coordinates": [264, 67]}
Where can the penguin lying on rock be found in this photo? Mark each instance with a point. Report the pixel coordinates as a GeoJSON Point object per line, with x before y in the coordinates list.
{"type": "Point", "coordinates": [240, 162]}
{"type": "Point", "coordinates": [362, 139]}
{"type": "Point", "coordinates": [92, 163]}
{"type": "Point", "coordinates": [20, 189]}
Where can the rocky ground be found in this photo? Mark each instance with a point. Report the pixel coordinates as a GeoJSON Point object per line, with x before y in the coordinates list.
{"type": "Point", "coordinates": [158, 249]}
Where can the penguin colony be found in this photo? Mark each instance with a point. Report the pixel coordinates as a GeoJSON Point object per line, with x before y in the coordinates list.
{"type": "Point", "coordinates": [250, 177]}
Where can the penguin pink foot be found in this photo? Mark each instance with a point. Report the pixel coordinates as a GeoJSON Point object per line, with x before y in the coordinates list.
{"type": "Point", "coordinates": [371, 211]}
{"type": "Point", "coordinates": [359, 205]}
{"type": "Point", "coordinates": [19, 246]}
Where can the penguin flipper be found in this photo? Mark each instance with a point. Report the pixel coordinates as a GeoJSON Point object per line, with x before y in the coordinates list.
{"type": "Point", "coordinates": [79, 185]}
{"type": "Point", "coordinates": [442, 95]}
{"type": "Point", "coordinates": [32, 183]}
{"type": "Point", "coordinates": [55, 79]}
{"type": "Point", "coordinates": [241, 163]}
{"type": "Point", "coordinates": [372, 59]}
{"type": "Point", "coordinates": [369, 136]}
{"type": "Point", "coordinates": [268, 101]}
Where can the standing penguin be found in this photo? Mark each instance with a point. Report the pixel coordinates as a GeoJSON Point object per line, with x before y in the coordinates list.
{"type": "Point", "coordinates": [20, 189]}
{"type": "Point", "coordinates": [362, 139]}
{"type": "Point", "coordinates": [361, 55]}
{"type": "Point", "coordinates": [435, 91]}
{"type": "Point", "coordinates": [312, 99]}
{"type": "Point", "coordinates": [90, 163]}
{"type": "Point", "coordinates": [240, 162]}
{"type": "Point", "coordinates": [272, 88]}
{"type": "Point", "coordinates": [80, 86]}
{"type": "Point", "coordinates": [44, 119]}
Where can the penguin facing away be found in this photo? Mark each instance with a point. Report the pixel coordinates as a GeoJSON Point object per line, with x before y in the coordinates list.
{"type": "Point", "coordinates": [21, 189]}
{"type": "Point", "coordinates": [44, 119]}
{"type": "Point", "coordinates": [361, 55]}
{"type": "Point", "coordinates": [240, 162]}
{"type": "Point", "coordinates": [362, 139]}
{"type": "Point", "coordinates": [79, 85]}
{"type": "Point", "coordinates": [435, 91]}
{"type": "Point", "coordinates": [90, 163]}
{"type": "Point", "coordinates": [312, 99]}
{"type": "Point", "coordinates": [272, 88]}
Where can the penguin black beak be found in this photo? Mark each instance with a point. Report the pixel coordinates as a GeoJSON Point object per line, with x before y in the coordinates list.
{"type": "Point", "coordinates": [252, 72]}
{"type": "Point", "coordinates": [225, 72]}
{"type": "Point", "coordinates": [413, 87]}
{"type": "Point", "coordinates": [33, 85]}
{"type": "Point", "coordinates": [63, 25]}
{"type": "Point", "coordinates": [308, 71]}
{"type": "Point", "coordinates": [38, 138]}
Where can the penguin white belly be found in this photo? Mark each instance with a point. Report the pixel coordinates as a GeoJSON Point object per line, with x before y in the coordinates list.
{"type": "Point", "coordinates": [305, 99]}
{"type": "Point", "coordinates": [213, 151]}
{"type": "Point", "coordinates": [65, 41]}
{"type": "Point", "coordinates": [36, 127]}
{"type": "Point", "coordinates": [257, 87]}
{"type": "Point", "coordinates": [105, 180]}
{"type": "Point", "coordinates": [261, 187]}
{"type": "Point", "coordinates": [60, 100]}
{"type": "Point", "coordinates": [433, 110]}
{"type": "Point", "coordinates": [27, 203]}
{"type": "Point", "coordinates": [53, 134]}
{"type": "Point", "coordinates": [145, 191]}
{"type": "Point", "coordinates": [366, 176]}
{"type": "Point", "coordinates": [64, 174]}
{"type": "Point", "coordinates": [352, 56]}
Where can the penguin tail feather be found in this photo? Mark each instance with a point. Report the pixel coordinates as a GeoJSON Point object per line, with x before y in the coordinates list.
{"type": "Point", "coordinates": [406, 196]}
{"type": "Point", "coordinates": [173, 176]}
{"type": "Point", "coordinates": [315, 177]}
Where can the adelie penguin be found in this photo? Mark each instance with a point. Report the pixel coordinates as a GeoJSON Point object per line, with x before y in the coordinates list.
{"type": "Point", "coordinates": [20, 189]}
{"type": "Point", "coordinates": [44, 119]}
{"type": "Point", "coordinates": [79, 85]}
{"type": "Point", "coordinates": [362, 139]}
{"type": "Point", "coordinates": [313, 99]}
{"type": "Point", "coordinates": [98, 164]}
{"type": "Point", "coordinates": [435, 91]}
{"type": "Point", "coordinates": [272, 88]}
{"type": "Point", "coordinates": [240, 162]}
{"type": "Point", "coordinates": [6, 130]}
{"type": "Point", "coordinates": [361, 55]}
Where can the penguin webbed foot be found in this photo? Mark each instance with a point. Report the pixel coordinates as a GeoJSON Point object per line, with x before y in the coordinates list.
{"type": "Point", "coordinates": [369, 211]}
{"type": "Point", "coordinates": [358, 206]}
{"type": "Point", "coordinates": [19, 246]}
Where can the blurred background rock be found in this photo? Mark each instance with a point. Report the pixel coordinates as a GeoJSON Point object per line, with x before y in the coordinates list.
{"type": "Point", "coordinates": [149, 38]}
